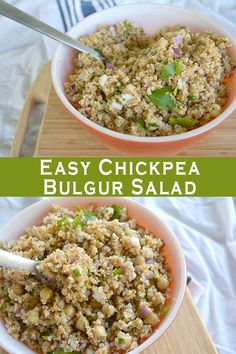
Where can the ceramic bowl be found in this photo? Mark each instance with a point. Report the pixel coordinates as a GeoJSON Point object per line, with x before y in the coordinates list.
{"type": "Point", "coordinates": [152, 18]}
{"type": "Point", "coordinates": [144, 217]}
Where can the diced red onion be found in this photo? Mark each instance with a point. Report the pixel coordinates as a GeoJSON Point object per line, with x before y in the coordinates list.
{"type": "Point", "coordinates": [110, 66]}
{"type": "Point", "coordinates": [178, 40]}
{"type": "Point", "coordinates": [144, 311]}
{"type": "Point", "coordinates": [87, 293]}
{"type": "Point", "coordinates": [51, 280]}
{"type": "Point", "coordinates": [177, 52]}
{"type": "Point", "coordinates": [72, 86]}
{"type": "Point", "coordinates": [95, 265]}
{"type": "Point", "coordinates": [82, 345]}
{"type": "Point", "coordinates": [150, 276]}
{"type": "Point", "coordinates": [149, 261]}
{"type": "Point", "coordinates": [19, 312]}
{"type": "Point", "coordinates": [106, 248]}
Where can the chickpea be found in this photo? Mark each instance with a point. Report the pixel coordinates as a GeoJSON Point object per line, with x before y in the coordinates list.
{"type": "Point", "coordinates": [99, 332]}
{"type": "Point", "coordinates": [93, 38]}
{"type": "Point", "coordinates": [152, 319]}
{"type": "Point", "coordinates": [108, 310]}
{"type": "Point", "coordinates": [214, 109]}
{"type": "Point", "coordinates": [89, 351]}
{"type": "Point", "coordinates": [80, 324]}
{"type": "Point", "coordinates": [103, 350]}
{"type": "Point", "coordinates": [123, 340]}
{"type": "Point", "coordinates": [93, 250]}
{"type": "Point", "coordinates": [45, 294]}
{"type": "Point", "coordinates": [69, 310]}
{"type": "Point", "coordinates": [139, 260]}
{"type": "Point", "coordinates": [134, 242]}
{"type": "Point", "coordinates": [33, 316]}
{"type": "Point", "coordinates": [158, 299]}
{"type": "Point", "coordinates": [18, 289]}
{"type": "Point", "coordinates": [163, 282]}
{"type": "Point", "coordinates": [147, 252]}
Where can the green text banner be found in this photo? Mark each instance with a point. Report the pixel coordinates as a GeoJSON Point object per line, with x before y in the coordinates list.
{"type": "Point", "coordinates": [108, 176]}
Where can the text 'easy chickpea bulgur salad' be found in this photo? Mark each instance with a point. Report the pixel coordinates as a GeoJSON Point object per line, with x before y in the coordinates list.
{"type": "Point", "coordinates": [165, 84]}
{"type": "Point", "coordinates": [105, 284]}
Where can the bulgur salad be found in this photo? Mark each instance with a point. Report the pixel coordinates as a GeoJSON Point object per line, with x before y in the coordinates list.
{"type": "Point", "coordinates": [105, 284]}
{"type": "Point", "coordinates": [165, 84]}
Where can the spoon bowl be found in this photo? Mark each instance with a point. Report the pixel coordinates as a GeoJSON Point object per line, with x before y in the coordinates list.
{"type": "Point", "coordinates": [12, 260]}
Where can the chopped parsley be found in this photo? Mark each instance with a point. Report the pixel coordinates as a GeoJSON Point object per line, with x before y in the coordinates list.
{"type": "Point", "coordinates": [67, 221]}
{"type": "Point", "coordinates": [167, 70]}
{"type": "Point", "coordinates": [99, 50]}
{"type": "Point", "coordinates": [178, 66]}
{"type": "Point", "coordinates": [141, 123]}
{"type": "Point", "coordinates": [175, 91]}
{"type": "Point", "coordinates": [77, 222]}
{"type": "Point", "coordinates": [117, 271]}
{"type": "Point", "coordinates": [152, 126]}
{"type": "Point", "coordinates": [77, 272]}
{"type": "Point", "coordinates": [162, 99]}
{"type": "Point", "coordinates": [164, 310]}
{"type": "Point", "coordinates": [118, 90]}
{"type": "Point", "coordinates": [89, 215]}
{"type": "Point", "coordinates": [46, 335]}
{"type": "Point", "coordinates": [127, 26]}
{"type": "Point", "coordinates": [84, 285]}
{"type": "Point", "coordinates": [183, 121]}
{"type": "Point", "coordinates": [121, 340]}
{"type": "Point", "coordinates": [82, 224]}
{"type": "Point", "coordinates": [61, 351]}
{"type": "Point", "coordinates": [171, 69]}
{"type": "Point", "coordinates": [192, 98]}
{"type": "Point", "coordinates": [117, 211]}
{"type": "Point", "coordinates": [94, 74]}
{"type": "Point", "coordinates": [62, 221]}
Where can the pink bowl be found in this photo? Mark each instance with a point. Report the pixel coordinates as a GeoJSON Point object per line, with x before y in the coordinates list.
{"type": "Point", "coordinates": [152, 18]}
{"type": "Point", "coordinates": [34, 214]}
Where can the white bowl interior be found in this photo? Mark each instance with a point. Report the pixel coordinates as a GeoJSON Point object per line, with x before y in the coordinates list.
{"type": "Point", "coordinates": [152, 18]}
{"type": "Point", "coordinates": [34, 214]}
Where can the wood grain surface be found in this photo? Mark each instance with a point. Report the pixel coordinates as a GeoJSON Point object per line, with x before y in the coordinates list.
{"type": "Point", "coordinates": [186, 335]}
{"type": "Point", "coordinates": [62, 135]}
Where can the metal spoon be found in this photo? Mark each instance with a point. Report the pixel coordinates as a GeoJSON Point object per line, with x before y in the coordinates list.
{"type": "Point", "coordinates": [22, 17]}
{"type": "Point", "coordinates": [11, 260]}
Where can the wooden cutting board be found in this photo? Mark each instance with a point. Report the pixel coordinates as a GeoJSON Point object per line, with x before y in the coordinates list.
{"type": "Point", "coordinates": [186, 335]}
{"type": "Point", "coordinates": [62, 135]}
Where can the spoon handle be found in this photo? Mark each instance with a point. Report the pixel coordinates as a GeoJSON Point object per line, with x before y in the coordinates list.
{"type": "Point", "coordinates": [22, 17]}
{"type": "Point", "coordinates": [11, 260]}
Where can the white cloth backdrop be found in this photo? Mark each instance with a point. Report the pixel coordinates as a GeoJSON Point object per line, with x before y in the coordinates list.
{"type": "Point", "coordinates": [206, 229]}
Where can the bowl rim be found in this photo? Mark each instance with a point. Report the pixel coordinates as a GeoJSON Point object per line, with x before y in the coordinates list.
{"type": "Point", "coordinates": [122, 136]}
{"type": "Point", "coordinates": [46, 202]}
